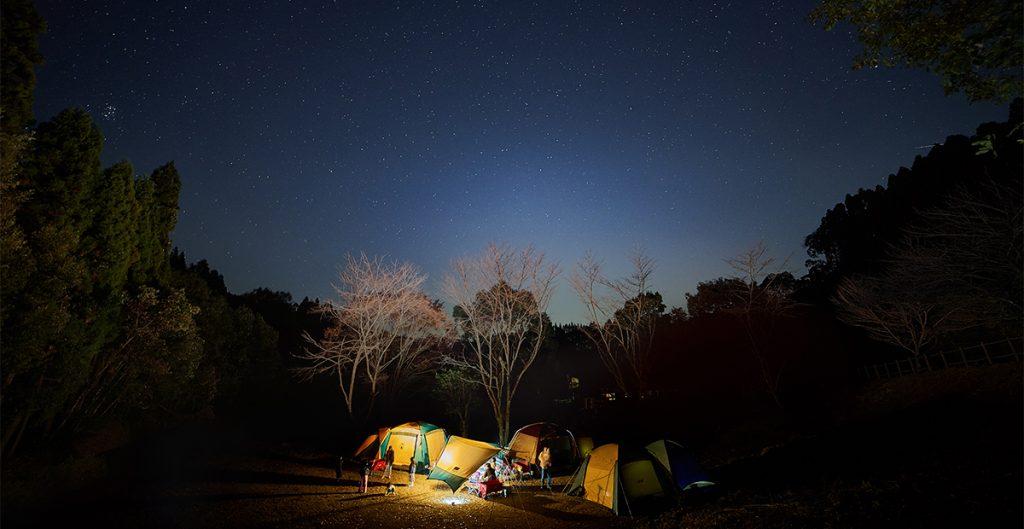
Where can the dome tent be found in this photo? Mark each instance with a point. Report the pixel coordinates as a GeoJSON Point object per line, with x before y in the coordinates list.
{"type": "Point", "coordinates": [420, 440]}
{"type": "Point", "coordinates": [625, 478]}
{"type": "Point", "coordinates": [679, 462]}
{"type": "Point", "coordinates": [529, 440]}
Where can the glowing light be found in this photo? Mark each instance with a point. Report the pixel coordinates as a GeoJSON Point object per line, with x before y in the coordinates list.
{"type": "Point", "coordinates": [455, 500]}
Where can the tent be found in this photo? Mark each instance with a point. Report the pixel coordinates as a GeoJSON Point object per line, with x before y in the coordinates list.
{"type": "Point", "coordinates": [460, 459]}
{"type": "Point", "coordinates": [586, 444]}
{"type": "Point", "coordinates": [370, 447]}
{"type": "Point", "coordinates": [421, 440]}
{"type": "Point", "coordinates": [679, 463]}
{"type": "Point", "coordinates": [621, 478]}
{"type": "Point", "coordinates": [529, 440]}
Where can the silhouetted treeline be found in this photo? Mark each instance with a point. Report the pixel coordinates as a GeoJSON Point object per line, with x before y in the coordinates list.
{"type": "Point", "coordinates": [856, 234]}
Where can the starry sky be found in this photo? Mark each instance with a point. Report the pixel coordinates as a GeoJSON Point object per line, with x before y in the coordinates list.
{"type": "Point", "coordinates": [421, 131]}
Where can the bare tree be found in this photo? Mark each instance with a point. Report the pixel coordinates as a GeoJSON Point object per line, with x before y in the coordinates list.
{"type": "Point", "coordinates": [500, 299]}
{"type": "Point", "coordinates": [958, 267]}
{"type": "Point", "coordinates": [969, 254]}
{"type": "Point", "coordinates": [764, 295]}
{"type": "Point", "coordinates": [381, 319]}
{"type": "Point", "coordinates": [622, 315]}
{"type": "Point", "coordinates": [891, 313]}
{"type": "Point", "coordinates": [419, 347]}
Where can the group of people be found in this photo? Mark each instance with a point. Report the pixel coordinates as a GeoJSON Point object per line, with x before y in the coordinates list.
{"type": "Point", "coordinates": [543, 463]}
{"type": "Point", "coordinates": [386, 472]}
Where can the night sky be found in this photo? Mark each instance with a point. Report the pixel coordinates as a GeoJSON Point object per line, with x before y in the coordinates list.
{"type": "Point", "coordinates": [306, 130]}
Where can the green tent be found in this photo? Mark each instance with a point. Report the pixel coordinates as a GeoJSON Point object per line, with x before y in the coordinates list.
{"type": "Point", "coordinates": [421, 442]}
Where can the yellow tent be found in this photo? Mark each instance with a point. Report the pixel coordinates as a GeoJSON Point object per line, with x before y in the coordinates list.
{"type": "Point", "coordinates": [612, 478]}
{"type": "Point", "coordinates": [460, 458]}
{"type": "Point", "coordinates": [599, 476]}
{"type": "Point", "coordinates": [419, 440]}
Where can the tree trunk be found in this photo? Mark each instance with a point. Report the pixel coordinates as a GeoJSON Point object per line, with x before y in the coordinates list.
{"type": "Point", "coordinates": [13, 430]}
{"type": "Point", "coordinates": [464, 421]}
{"type": "Point", "coordinates": [496, 408]}
{"type": "Point", "coordinates": [762, 362]}
{"type": "Point", "coordinates": [506, 423]}
{"type": "Point", "coordinates": [17, 438]}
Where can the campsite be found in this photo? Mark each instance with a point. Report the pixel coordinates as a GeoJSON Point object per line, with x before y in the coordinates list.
{"type": "Point", "coordinates": [203, 477]}
{"type": "Point", "coordinates": [524, 265]}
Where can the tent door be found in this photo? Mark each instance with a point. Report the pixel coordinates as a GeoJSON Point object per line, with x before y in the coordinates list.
{"type": "Point", "coordinates": [639, 479]}
{"type": "Point", "coordinates": [404, 445]}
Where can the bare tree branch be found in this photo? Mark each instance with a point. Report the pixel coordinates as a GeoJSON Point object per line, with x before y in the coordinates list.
{"type": "Point", "coordinates": [501, 298]}
{"type": "Point", "coordinates": [958, 267]}
{"type": "Point", "coordinates": [381, 325]}
{"type": "Point", "coordinates": [622, 315]}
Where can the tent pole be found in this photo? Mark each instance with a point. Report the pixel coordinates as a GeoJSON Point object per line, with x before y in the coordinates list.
{"type": "Point", "coordinates": [618, 480]}
{"type": "Point", "coordinates": [572, 478]}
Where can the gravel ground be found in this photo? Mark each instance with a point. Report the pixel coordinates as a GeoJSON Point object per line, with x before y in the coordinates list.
{"type": "Point", "coordinates": [296, 492]}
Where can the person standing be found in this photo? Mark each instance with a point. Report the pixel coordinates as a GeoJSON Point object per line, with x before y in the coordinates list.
{"type": "Point", "coordinates": [544, 462]}
{"type": "Point", "coordinates": [338, 470]}
{"type": "Point", "coordinates": [412, 471]}
{"type": "Point", "coordinates": [389, 461]}
{"type": "Point", "coordinates": [364, 479]}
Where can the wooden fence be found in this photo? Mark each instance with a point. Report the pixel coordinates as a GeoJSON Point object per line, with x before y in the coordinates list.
{"type": "Point", "coordinates": [983, 354]}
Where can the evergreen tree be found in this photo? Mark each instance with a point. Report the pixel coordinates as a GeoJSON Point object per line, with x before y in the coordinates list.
{"type": "Point", "coordinates": [113, 240]}
{"type": "Point", "coordinates": [50, 334]}
{"type": "Point", "coordinates": [166, 188]}
{"type": "Point", "coordinates": [20, 27]}
{"type": "Point", "coordinates": [98, 317]}
{"type": "Point", "coordinates": [148, 266]}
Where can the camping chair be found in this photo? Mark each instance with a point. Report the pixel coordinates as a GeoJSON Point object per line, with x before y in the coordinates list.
{"type": "Point", "coordinates": [522, 469]}
{"type": "Point", "coordinates": [378, 466]}
{"type": "Point", "coordinates": [509, 482]}
{"type": "Point", "coordinates": [510, 474]}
